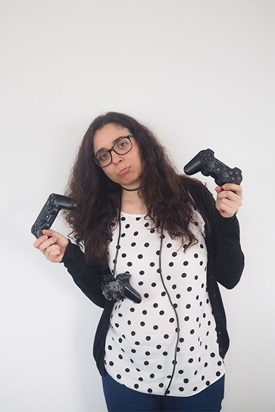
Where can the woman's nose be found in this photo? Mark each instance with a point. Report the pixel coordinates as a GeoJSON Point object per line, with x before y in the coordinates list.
{"type": "Point", "coordinates": [116, 158]}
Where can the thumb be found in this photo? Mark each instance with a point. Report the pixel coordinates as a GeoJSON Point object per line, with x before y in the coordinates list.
{"type": "Point", "coordinates": [51, 233]}
{"type": "Point", "coordinates": [61, 240]}
{"type": "Point", "coordinates": [218, 189]}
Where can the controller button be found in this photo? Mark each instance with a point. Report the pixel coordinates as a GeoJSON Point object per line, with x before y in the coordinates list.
{"type": "Point", "coordinates": [224, 175]}
{"type": "Point", "coordinates": [210, 165]}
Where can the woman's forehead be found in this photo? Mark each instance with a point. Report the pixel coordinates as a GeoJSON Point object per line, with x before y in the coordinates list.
{"type": "Point", "coordinates": [107, 135]}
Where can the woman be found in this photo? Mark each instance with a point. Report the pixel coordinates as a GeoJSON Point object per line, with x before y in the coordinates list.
{"type": "Point", "coordinates": [150, 247]}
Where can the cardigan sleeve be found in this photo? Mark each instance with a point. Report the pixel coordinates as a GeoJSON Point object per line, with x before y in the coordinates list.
{"type": "Point", "coordinates": [228, 257]}
{"type": "Point", "coordinates": [225, 255]}
{"type": "Point", "coordinates": [86, 277]}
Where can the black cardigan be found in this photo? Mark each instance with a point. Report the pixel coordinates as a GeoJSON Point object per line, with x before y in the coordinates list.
{"type": "Point", "coordinates": [225, 266]}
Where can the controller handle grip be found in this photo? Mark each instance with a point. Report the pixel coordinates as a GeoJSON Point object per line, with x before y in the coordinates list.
{"type": "Point", "coordinates": [49, 212]}
{"type": "Point", "coordinates": [194, 166]}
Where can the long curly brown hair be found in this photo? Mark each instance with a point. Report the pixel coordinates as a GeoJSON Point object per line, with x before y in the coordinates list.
{"type": "Point", "coordinates": [98, 198]}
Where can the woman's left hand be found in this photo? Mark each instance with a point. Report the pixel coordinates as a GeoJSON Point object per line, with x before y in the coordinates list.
{"type": "Point", "coordinates": [229, 199]}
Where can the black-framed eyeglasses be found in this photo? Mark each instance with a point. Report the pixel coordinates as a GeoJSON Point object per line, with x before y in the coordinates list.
{"type": "Point", "coordinates": [122, 146]}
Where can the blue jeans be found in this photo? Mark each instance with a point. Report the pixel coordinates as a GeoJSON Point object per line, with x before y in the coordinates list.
{"type": "Point", "coordinates": [119, 398]}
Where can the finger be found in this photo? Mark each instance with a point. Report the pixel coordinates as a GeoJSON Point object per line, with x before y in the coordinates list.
{"type": "Point", "coordinates": [39, 241]}
{"type": "Point", "coordinates": [55, 257]}
{"type": "Point", "coordinates": [233, 187]}
{"type": "Point", "coordinates": [49, 241]}
{"type": "Point", "coordinates": [226, 207]}
{"type": "Point", "coordinates": [227, 203]}
{"type": "Point", "coordinates": [50, 232]}
{"type": "Point", "coordinates": [54, 253]}
{"type": "Point", "coordinates": [231, 191]}
{"type": "Point", "coordinates": [60, 239]}
{"type": "Point", "coordinates": [226, 211]}
{"type": "Point", "coordinates": [228, 195]}
{"type": "Point", "coordinates": [46, 234]}
{"type": "Point", "coordinates": [236, 200]}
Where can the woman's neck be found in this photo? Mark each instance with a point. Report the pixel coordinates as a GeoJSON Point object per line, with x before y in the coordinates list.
{"type": "Point", "coordinates": [130, 190]}
{"type": "Point", "coordinates": [132, 202]}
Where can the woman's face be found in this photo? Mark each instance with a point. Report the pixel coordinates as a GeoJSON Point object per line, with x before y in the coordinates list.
{"type": "Point", "coordinates": [125, 169]}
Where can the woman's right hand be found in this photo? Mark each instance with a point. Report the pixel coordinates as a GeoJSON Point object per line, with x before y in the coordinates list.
{"type": "Point", "coordinates": [52, 244]}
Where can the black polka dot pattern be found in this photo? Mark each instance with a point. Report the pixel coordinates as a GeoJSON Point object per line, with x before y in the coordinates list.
{"type": "Point", "coordinates": [142, 338]}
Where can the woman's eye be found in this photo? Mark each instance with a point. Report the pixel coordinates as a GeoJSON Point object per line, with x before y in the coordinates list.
{"type": "Point", "coordinates": [104, 156]}
{"type": "Point", "coordinates": [123, 144]}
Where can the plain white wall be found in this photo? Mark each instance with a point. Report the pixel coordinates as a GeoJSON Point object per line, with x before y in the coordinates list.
{"type": "Point", "coordinates": [200, 74]}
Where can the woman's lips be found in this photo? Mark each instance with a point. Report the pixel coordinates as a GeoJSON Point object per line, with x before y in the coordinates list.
{"type": "Point", "coordinates": [124, 171]}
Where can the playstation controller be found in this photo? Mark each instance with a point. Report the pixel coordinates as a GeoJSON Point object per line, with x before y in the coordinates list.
{"type": "Point", "coordinates": [119, 288]}
{"type": "Point", "coordinates": [50, 211]}
{"type": "Point", "coordinates": [206, 163]}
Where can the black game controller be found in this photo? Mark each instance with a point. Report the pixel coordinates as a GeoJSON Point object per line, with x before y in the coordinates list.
{"type": "Point", "coordinates": [119, 288]}
{"type": "Point", "coordinates": [50, 211]}
{"type": "Point", "coordinates": [208, 165]}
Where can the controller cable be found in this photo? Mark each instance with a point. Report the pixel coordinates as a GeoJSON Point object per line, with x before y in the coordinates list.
{"type": "Point", "coordinates": [117, 244]}
{"type": "Point", "coordinates": [176, 314]}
